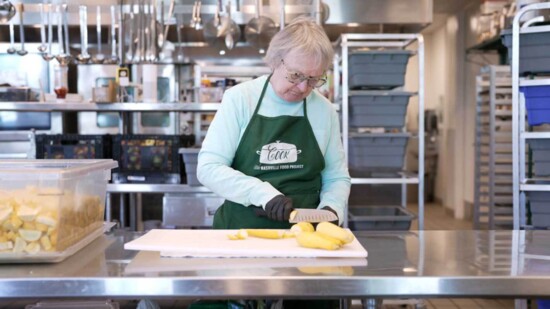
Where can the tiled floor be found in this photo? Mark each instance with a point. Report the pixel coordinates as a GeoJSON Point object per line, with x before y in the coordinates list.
{"type": "Point", "coordinates": [436, 218]}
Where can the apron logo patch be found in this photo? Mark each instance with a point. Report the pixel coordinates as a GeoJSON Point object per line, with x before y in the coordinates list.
{"type": "Point", "coordinates": [278, 153]}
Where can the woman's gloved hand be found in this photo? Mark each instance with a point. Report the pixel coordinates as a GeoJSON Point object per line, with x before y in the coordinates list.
{"type": "Point", "coordinates": [334, 212]}
{"type": "Point", "coordinates": [279, 208]}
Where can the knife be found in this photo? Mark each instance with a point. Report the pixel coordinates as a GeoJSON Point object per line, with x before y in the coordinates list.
{"type": "Point", "coordinates": [305, 214]}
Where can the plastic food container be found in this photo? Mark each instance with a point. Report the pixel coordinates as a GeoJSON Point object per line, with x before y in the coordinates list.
{"type": "Point", "coordinates": [49, 206]}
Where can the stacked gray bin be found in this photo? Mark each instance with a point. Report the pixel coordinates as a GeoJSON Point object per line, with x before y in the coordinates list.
{"type": "Point", "coordinates": [190, 158]}
{"type": "Point", "coordinates": [539, 202]}
{"type": "Point", "coordinates": [541, 156]}
{"type": "Point", "coordinates": [533, 51]}
{"type": "Point", "coordinates": [379, 218]}
{"type": "Point", "coordinates": [377, 152]}
{"type": "Point", "coordinates": [378, 69]}
{"type": "Point", "coordinates": [385, 109]}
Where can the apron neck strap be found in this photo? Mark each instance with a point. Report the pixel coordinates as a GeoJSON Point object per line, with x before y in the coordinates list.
{"type": "Point", "coordinates": [263, 93]}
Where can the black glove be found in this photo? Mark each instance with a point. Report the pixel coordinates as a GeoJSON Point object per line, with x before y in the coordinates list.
{"type": "Point", "coordinates": [334, 212]}
{"type": "Point", "coordinates": [279, 208]}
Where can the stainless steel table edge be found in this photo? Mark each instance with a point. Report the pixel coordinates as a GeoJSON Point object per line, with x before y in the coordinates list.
{"type": "Point", "coordinates": [280, 287]}
{"type": "Point", "coordinates": [109, 107]}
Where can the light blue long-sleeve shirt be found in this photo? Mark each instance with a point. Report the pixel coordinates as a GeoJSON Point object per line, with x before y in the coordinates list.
{"type": "Point", "coordinates": [226, 130]}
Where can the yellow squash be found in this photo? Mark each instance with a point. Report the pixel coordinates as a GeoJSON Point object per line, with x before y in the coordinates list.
{"type": "Point", "coordinates": [302, 227]}
{"type": "Point", "coordinates": [265, 233]}
{"type": "Point", "coordinates": [315, 241]}
{"type": "Point", "coordinates": [335, 231]}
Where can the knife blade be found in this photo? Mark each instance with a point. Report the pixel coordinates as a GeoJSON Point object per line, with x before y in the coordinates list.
{"type": "Point", "coordinates": [305, 214]}
{"type": "Point", "coordinates": [311, 215]}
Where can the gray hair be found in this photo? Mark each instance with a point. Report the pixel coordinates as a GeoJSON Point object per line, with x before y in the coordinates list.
{"type": "Point", "coordinates": [303, 36]}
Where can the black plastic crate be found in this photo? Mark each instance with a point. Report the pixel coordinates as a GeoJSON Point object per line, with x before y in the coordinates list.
{"type": "Point", "coordinates": [73, 146]}
{"type": "Point", "coordinates": [149, 158]}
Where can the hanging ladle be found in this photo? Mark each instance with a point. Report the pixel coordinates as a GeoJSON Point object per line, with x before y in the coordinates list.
{"type": "Point", "coordinates": [42, 47]}
{"type": "Point", "coordinates": [99, 57]}
{"type": "Point", "coordinates": [49, 56]}
{"type": "Point", "coordinates": [22, 51]}
{"type": "Point", "coordinates": [64, 56]}
{"type": "Point", "coordinates": [114, 57]}
{"type": "Point", "coordinates": [83, 57]}
{"type": "Point", "coordinates": [7, 11]}
{"type": "Point", "coordinates": [11, 49]}
{"type": "Point", "coordinates": [260, 29]}
{"type": "Point", "coordinates": [198, 18]}
{"type": "Point", "coordinates": [229, 39]}
{"type": "Point", "coordinates": [160, 37]}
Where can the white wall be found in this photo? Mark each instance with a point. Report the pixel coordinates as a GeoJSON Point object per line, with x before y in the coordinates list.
{"type": "Point", "coordinates": [450, 88]}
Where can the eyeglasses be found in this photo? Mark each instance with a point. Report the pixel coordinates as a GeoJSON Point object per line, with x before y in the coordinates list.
{"type": "Point", "coordinates": [296, 78]}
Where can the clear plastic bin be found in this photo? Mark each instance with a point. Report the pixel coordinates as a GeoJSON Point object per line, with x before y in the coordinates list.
{"type": "Point", "coordinates": [46, 206]}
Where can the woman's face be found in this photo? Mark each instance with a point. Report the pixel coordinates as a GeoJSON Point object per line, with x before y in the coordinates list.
{"type": "Point", "coordinates": [288, 79]}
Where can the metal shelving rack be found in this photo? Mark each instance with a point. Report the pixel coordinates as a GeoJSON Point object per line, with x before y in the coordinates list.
{"type": "Point", "coordinates": [493, 164]}
{"type": "Point", "coordinates": [394, 41]}
{"type": "Point", "coordinates": [494, 250]}
{"type": "Point", "coordinates": [520, 134]}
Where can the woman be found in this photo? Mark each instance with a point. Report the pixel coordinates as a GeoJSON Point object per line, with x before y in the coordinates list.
{"type": "Point", "coordinates": [275, 142]}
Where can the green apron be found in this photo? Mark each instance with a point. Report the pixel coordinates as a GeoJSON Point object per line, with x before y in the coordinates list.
{"type": "Point", "coordinates": [283, 151]}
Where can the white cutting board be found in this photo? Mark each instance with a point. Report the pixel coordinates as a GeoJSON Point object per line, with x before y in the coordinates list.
{"type": "Point", "coordinates": [214, 243]}
{"type": "Point", "coordinates": [150, 261]}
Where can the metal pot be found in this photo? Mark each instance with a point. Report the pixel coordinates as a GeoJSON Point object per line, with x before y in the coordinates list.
{"type": "Point", "coordinates": [7, 11]}
{"type": "Point", "coordinates": [260, 30]}
{"type": "Point", "coordinates": [221, 31]}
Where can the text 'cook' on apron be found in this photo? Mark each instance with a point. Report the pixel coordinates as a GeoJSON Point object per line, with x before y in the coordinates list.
{"type": "Point", "coordinates": [283, 151]}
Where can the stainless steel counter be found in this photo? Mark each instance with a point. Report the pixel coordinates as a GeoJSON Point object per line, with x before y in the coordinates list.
{"type": "Point", "coordinates": [112, 107]}
{"type": "Point", "coordinates": [108, 107]}
{"type": "Point", "coordinates": [155, 188]}
{"type": "Point", "coordinates": [400, 264]}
